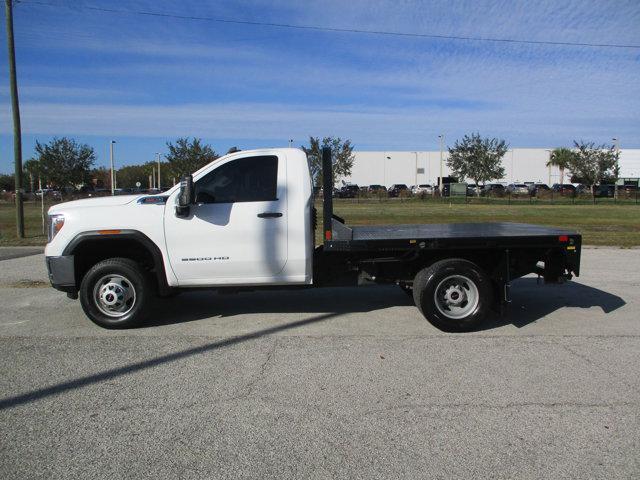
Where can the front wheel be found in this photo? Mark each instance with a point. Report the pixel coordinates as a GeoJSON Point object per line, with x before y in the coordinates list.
{"type": "Point", "coordinates": [114, 292]}
{"type": "Point", "coordinates": [454, 295]}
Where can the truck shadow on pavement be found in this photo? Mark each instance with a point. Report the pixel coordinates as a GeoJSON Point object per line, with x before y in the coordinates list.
{"type": "Point", "coordinates": [192, 306]}
{"type": "Point", "coordinates": [531, 301]}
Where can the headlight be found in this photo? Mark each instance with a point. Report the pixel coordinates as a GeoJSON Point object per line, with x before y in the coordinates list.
{"type": "Point", "coordinates": [55, 225]}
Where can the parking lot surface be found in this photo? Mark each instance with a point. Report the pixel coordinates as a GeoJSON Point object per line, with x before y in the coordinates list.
{"type": "Point", "coordinates": [344, 383]}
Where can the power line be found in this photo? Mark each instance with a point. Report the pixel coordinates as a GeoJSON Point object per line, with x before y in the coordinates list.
{"type": "Point", "coordinates": [341, 30]}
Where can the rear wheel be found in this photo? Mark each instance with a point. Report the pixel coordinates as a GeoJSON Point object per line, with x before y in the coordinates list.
{"type": "Point", "coordinates": [454, 295]}
{"type": "Point", "coordinates": [114, 292]}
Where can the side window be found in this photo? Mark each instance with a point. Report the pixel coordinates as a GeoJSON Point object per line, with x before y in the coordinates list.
{"type": "Point", "coordinates": [250, 179]}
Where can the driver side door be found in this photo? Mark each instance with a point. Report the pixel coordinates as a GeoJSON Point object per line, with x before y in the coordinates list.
{"type": "Point", "coordinates": [236, 233]}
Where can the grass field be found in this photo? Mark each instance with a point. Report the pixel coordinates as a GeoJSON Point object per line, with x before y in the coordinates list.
{"type": "Point", "coordinates": [602, 224]}
{"type": "Point", "coordinates": [33, 225]}
{"type": "Point", "coordinates": [616, 225]}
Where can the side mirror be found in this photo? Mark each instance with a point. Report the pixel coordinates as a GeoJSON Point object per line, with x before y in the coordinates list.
{"type": "Point", "coordinates": [185, 197]}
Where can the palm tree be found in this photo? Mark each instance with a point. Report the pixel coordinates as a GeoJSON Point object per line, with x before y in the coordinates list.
{"type": "Point", "coordinates": [32, 168]}
{"type": "Point", "coordinates": [561, 158]}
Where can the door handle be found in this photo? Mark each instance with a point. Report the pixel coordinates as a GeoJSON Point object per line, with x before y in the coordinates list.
{"type": "Point", "coordinates": [269, 214]}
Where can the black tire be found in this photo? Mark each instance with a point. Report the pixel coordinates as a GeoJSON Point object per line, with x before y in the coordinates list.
{"type": "Point", "coordinates": [465, 317]}
{"type": "Point", "coordinates": [123, 275]}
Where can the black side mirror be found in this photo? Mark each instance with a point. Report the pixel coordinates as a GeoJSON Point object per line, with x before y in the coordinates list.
{"type": "Point", "coordinates": [185, 197]}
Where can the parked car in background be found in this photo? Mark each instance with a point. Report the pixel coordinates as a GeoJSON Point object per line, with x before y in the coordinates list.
{"type": "Point", "coordinates": [493, 190]}
{"type": "Point", "coordinates": [397, 189]}
{"type": "Point", "coordinates": [517, 189]}
{"type": "Point", "coordinates": [49, 193]}
{"type": "Point", "coordinates": [539, 188]}
{"type": "Point", "coordinates": [100, 192]}
{"type": "Point", "coordinates": [377, 189]}
{"type": "Point", "coordinates": [604, 191]}
{"type": "Point", "coordinates": [627, 189]}
{"type": "Point", "coordinates": [564, 189]}
{"type": "Point", "coordinates": [348, 191]}
{"type": "Point", "coordinates": [473, 189]}
{"type": "Point", "coordinates": [423, 189]}
{"type": "Point", "coordinates": [583, 189]}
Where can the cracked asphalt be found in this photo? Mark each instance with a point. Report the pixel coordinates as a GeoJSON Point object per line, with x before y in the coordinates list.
{"type": "Point", "coordinates": [336, 383]}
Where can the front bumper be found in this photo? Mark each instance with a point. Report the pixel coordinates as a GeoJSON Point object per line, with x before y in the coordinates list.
{"type": "Point", "coordinates": [61, 272]}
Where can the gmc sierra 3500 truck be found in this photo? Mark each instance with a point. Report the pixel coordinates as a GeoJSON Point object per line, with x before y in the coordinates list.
{"type": "Point", "coordinates": [247, 221]}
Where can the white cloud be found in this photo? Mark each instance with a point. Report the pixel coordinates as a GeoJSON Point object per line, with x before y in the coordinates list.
{"type": "Point", "coordinates": [250, 121]}
{"type": "Point", "coordinates": [263, 83]}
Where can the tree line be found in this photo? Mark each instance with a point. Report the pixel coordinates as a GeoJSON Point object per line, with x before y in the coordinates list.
{"type": "Point", "coordinates": [65, 164]}
{"type": "Point", "coordinates": [480, 159]}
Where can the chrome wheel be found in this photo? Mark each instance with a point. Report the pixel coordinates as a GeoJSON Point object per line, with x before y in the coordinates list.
{"type": "Point", "coordinates": [456, 297]}
{"type": "Point", "coordinates": [114, 295]}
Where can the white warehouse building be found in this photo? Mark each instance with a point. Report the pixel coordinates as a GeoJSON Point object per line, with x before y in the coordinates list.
{"type": "Point", "coordinates": [414, 168]}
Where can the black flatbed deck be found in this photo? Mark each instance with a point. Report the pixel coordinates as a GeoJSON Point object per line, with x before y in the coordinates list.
{"type": "Point", "coordinates": [395, 253]}
{"type": "Point", "coordinates": [455, 230]}
{"type": "Point", "coordinates": [447, 235]}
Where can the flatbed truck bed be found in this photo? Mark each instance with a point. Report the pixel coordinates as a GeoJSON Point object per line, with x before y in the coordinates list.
{"type": "Point", "coordinates": [436, 236]}
{"type": "Point", "coordinates": [415, 256]}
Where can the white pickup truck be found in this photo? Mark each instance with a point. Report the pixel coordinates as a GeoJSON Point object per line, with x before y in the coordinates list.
{"type": "Point", "coordinates": [248, 221]}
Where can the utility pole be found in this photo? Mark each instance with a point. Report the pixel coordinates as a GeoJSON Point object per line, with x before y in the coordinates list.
{"type": "Point", "coordinates": [15, 108]}
{"type": "Point", "coordinates": [113, 174]}
{"type": "Point", "coordinates": [415, 182]}
{"type": "Point", "coordinates": [441, 137]}
{"type": "Point", "coordinates": [159, 180]}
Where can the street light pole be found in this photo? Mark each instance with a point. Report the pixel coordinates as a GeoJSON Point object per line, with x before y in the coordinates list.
{"type": "Point", "coordinates": [15, 108]}
{"type": "Point", "coordinates": [113, 176]}
{"type": "Point", "coordinates": [615, 187]}
{"type": "Point", "coordinates": [416, 171]}
{"type": "Point", "coordinates": [159, 182]}
{"type": "Point", "coordinates": [41, 204]}
{"type": "Point", "coordinates": [384, 168]}
{"type": "Point", "coordinates": [441, 137]}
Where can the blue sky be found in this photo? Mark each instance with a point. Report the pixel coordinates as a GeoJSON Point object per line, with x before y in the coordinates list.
{"type": "Point", "coordinates": [145, 80]}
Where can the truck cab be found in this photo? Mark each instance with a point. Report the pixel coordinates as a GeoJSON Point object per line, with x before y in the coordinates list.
{"type": "Point", "coordinates": [249, 224]}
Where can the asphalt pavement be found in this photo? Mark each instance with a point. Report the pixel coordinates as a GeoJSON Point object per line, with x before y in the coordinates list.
{"type": "Point", "coordinates": [7, 253]}
{"type": "Point", "coordinates": [333, 383]}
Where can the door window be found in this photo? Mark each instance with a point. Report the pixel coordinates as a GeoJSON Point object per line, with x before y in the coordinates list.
{"type": "Point", "coordinates": [250, 179]}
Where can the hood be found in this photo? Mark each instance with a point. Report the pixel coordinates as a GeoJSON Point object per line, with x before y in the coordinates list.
{"type": "Point", "coordinates": [95, 202]}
